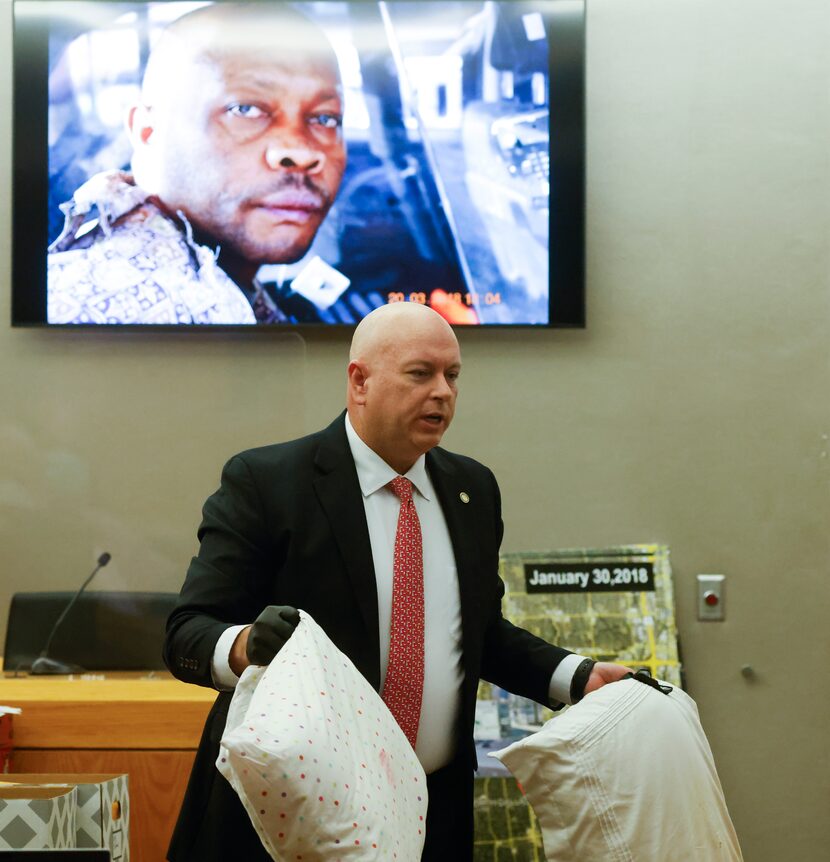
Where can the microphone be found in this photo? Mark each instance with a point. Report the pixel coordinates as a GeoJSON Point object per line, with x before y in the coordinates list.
{"type": "Point", "coordinates": [44, 664]}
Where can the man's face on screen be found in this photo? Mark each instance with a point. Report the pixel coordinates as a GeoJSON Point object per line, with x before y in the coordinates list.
{"type": "Point", "coordinates": [249, 147]}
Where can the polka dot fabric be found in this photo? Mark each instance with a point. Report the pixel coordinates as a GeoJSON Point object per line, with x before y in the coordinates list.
{"type": "Point", "coordinates": [320, 764]}
{"type": "Point", "coordinates": [403, 687]}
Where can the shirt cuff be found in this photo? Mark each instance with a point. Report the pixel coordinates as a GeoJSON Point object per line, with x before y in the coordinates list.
{"type": "Point", "coordinates": [559, 690]}
{"type": "Point", "coordinates": [223, 677]}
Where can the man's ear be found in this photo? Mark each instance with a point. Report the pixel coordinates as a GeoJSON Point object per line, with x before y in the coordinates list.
{"type": "Point", "coordinates": [358, 376]}
{"type": "Point", "coordinates": [139, 125]}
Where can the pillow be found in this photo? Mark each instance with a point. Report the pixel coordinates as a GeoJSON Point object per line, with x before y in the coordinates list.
{"type": "Point", "coordinates": [625, 775]}
{"type": "Point", "coordinates": [321, 766]}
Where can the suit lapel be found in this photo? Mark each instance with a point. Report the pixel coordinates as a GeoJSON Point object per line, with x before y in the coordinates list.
{"type": "Point", "coordinates": [462, 524]}
{"type": "Point", "coordinates": [338, 491]}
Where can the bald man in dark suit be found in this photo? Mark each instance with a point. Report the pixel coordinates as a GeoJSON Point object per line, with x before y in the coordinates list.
{"type": "Point", "coordinates": [311, 524]}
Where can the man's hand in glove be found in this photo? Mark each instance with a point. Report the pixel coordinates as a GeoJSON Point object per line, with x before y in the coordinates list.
{"type": "Point", "coordinates": [260, 642]}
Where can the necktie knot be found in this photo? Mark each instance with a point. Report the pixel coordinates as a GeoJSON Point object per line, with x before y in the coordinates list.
{"type": "Point", "coordinates": [401, 488]}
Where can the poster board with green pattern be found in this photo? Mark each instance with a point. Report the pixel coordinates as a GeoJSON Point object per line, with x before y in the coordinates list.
{"type": "Point", "coordinates": [609, 604]}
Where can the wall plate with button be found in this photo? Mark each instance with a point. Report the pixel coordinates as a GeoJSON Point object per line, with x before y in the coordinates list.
{"type": "Point", "coordinates": [710, 597]}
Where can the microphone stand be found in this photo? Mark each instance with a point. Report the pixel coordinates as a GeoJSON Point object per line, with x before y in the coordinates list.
{"type": "Point", "coordinates": [46, 665]}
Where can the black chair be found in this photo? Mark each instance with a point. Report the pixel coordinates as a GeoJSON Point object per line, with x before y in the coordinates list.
{"type": "Point", "coordinates": [102, 631]}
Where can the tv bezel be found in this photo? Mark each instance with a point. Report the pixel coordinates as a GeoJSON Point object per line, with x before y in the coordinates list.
{"type": "Point", "coordinates": [30, 182]}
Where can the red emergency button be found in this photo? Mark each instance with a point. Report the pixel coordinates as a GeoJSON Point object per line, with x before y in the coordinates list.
{"type": "Point", "coordinates": [711, 599]}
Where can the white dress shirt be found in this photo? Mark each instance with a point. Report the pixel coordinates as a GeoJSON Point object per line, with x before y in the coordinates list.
{"type": "Point", "coordinates": [443, 673]}
{"type": "Point", "coordinates": [442, 607]}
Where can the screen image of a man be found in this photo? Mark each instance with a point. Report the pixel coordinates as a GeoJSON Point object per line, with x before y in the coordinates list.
{"type": "Point", "coordinates": [238, 154]}
{"type": "Point", "coordinates": [313, 524]}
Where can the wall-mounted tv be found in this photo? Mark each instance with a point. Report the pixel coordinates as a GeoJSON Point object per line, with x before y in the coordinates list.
{"type": "Point", "coordinates": [297, 163]}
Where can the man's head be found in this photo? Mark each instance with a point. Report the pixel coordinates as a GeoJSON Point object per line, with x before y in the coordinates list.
{"type": "Point", "coordinates": [240, 129]}
{"type": "Point", "coordinates": [402, 381]}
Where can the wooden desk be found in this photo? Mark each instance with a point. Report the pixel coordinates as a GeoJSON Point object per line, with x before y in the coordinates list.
{"type": "Point", "coordinates": [147, 725]}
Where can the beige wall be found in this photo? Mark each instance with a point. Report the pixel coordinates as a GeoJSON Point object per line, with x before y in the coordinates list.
{"type": "Point", "coordinates": [692, 411]}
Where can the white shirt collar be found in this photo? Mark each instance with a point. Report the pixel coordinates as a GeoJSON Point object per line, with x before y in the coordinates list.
{"type": "Point", "coordinates": [373, 473]}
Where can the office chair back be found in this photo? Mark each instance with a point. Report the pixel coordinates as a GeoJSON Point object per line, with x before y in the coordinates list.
{"type": "Point", "coordinates": [102, 631]}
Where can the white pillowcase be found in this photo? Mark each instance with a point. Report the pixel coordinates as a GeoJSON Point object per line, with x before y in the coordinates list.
{"type": "Point", "coordinates": [625, 775]}
{"type": "Point", "coordinates": [321, 766]}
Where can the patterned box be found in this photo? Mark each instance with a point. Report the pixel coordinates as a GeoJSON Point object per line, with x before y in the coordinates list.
{"type": "Point", "coordinates": [37, 818]}
{"type": "Point", "coordinates": [103, 808]}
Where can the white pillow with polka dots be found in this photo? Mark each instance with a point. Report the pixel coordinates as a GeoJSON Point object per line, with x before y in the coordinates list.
{"type": "Point", "coordinates": [321, 766]}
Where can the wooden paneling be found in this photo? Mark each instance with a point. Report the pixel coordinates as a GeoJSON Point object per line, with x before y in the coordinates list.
{"type": "Point", "coordinates": [137, 712]}
{"type": "Point", "coordinates": [145, 725]}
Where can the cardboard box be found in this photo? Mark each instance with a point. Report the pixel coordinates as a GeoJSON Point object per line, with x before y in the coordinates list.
{"type": "Point", "coordinates": [103, 807]}
{"type": "Point", "coordinates": [37, 818]}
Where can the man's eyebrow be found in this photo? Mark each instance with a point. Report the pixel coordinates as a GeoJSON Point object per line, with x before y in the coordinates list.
{"type": "Point", "coordinates": [266, 84]}
{"type": "Point", "coordinates": [328, 93]}
{"type": "Point", "coordinates": [428, 363]}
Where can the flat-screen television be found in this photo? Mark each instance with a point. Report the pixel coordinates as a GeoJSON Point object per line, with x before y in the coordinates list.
{"type": "Point", "coordinates": [297, 163]}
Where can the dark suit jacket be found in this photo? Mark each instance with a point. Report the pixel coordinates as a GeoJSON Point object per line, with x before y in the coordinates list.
{"type": "Point", "coordinates": [287, 526]}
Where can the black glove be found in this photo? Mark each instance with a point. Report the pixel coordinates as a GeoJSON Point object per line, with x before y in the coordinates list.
{"type": "Point", "coordinates": [270, 631]}
{"type": "Point", "coordinates": [579, 679]}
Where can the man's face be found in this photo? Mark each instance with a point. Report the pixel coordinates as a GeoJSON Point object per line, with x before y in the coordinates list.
{"type": "Point", "coordinates": [410, 396]}
{"type": "Point", "coordinates": [250, 148]}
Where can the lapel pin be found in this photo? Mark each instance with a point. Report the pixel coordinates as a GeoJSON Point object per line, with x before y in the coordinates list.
{"type": "Point", "coordinates": [465, 497]}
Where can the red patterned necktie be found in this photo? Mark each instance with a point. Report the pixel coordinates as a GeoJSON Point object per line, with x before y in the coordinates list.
{"type": "Point", "coordinates": [404, 684]}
